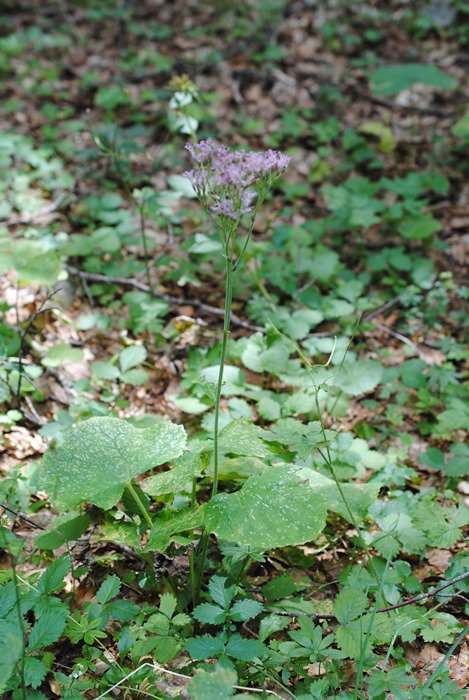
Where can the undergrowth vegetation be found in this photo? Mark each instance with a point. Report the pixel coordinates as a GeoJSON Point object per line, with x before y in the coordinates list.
{"type": "Point", "coordinates": [233, 399]}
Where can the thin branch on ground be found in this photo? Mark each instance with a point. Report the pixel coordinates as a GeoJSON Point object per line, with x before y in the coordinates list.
{"type": "Point", "coordinates": [180, 301]}
{"type": "Point", "coordinates": [384, 307]}
{"type": "Point", "coordinates": [21, 517]}
{"type": "Point", "coordinates": [429, 594]}
{"type": "Point", "coordinates": [432, 111]}
{"type": "Point", "coordinates": [28, 217]}
{"type": "Point", "coordinates": [423, 356]}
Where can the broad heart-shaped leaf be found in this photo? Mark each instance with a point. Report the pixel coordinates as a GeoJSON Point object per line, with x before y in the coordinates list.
{"type": "Point", "coordinates": [389, 80]}
{"type": "Point", "coordinates": [274, 509]}
{"type": "Point", "coordinates": [99, 456]}
{"type": "Point", "coordinates": [359, 377]}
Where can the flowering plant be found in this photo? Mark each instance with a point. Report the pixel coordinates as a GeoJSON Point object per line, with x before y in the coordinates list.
{"type": "Point", "coordinates": [229, 185]}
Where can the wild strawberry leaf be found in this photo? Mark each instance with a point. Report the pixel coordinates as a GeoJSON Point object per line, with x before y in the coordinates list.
{"type": "Point", "coordinates": [108, 590]}
{"type": "Point", "coordinates": [209, 614]}
{"type": "Point", "coordinates": [34, 671]}
{"type": "Point", "coordinates": [246, 609]}
{"type": "Point", "coordinates": [48, 628]}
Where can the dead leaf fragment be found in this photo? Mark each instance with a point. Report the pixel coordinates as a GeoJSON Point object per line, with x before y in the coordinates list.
{"type": "Point", "coordinates": [439, 558]}
{"type": "Point", "coordinates": [20, 443]}
{"type": "Point", "coordinates": [424, 661]}
{"type": "Point", "coordinates": [459, 666]}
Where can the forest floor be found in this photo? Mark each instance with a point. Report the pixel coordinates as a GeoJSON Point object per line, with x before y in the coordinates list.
{"type": "Point", "coordinates": [361, 250]}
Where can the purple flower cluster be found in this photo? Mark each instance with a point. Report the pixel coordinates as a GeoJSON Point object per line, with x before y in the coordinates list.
{"type": "Point", "coordinates": [227, 182]}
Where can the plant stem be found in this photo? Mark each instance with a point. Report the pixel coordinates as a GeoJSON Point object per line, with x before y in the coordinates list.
{"type": "Point", "coordinates": [138, 501]}
{"type": "Point", "coordinates": [141, 214]}
{"type": "Point", "coordinates": [202, 554]}
{"type": "Point", "coordinates": [226, 332]}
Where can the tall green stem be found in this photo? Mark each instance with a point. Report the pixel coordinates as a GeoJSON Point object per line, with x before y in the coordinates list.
{"type": "Point", "coordinates": [226, 332]}
{"type": "Point", "coordinates": [143, 234]}
{"type": "Point", "coordinates": [203, 547]}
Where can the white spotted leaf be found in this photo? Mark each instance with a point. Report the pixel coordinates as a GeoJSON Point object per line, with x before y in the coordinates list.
{"type": "Point", "coordinates": [99, 456]}
{"type": "Point", "coordinates": [277, 508]}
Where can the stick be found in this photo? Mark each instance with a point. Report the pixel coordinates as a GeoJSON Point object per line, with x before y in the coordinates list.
{"type": "Point", "coordinates": [130, 282]}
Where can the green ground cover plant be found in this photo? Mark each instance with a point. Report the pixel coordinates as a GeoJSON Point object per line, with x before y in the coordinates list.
{"type": "Point", "coordinates": [233, 359]}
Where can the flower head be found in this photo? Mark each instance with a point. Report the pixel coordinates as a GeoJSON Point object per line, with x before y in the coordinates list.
{"type": "Point", "coordinates": [227, 182]}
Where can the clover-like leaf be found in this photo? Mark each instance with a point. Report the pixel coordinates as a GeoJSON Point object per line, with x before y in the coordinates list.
{"type": "Point", "coordinates": [274, 509]}
{"type": "Point", "coordinates": [99, 456]}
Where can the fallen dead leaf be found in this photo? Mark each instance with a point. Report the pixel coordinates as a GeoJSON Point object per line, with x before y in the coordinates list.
{"type": "Point", "coordinates": [424, 661]}
{"type": "Point", "coordinates": [459, 666]}
{"type": "Point", "coordinates": [21, 443]}
{"type": "Point", "coordinates": [439, 558]}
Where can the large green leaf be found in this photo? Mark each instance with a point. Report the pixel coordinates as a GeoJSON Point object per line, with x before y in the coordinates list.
{"type": "Point", "coordinates": [274, 509]}
{"type": "Point", "coordinates": [99, 456]}
{"type": "Point", "coordinates": [390, 80]}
